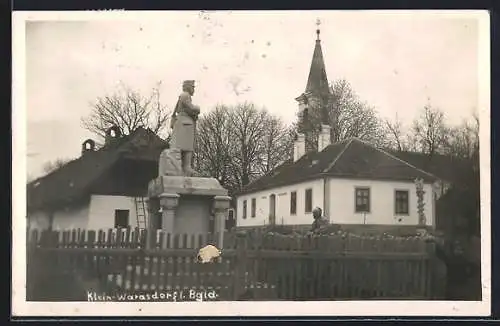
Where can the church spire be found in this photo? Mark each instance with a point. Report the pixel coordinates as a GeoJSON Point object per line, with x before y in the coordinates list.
{"type": "Point", "coordinates": [317, 83]}
{"type": "Point", "coordinates": [315, 100]}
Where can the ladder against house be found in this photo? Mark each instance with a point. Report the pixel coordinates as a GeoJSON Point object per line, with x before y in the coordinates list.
{"type": "Point", "coordinates": [140, 212]}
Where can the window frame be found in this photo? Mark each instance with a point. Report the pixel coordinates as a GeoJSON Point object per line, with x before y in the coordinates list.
{"type": "Point", "coordinates": [230, 214]}
{"type": "Point", "coordinates": [293, 202]}
{"type": "Point", "coordinates": [306, 210]}
{"type": "Point", "coordinates": [117, 211]}
{"type": "Point", "coordinates": [253, 207]}
{"type": "Point", "coordinates": [244, 210]}
{"type": "Point", "coordinates": [396, 212]}
{"type": "Point", "coordinates": [356, 207]}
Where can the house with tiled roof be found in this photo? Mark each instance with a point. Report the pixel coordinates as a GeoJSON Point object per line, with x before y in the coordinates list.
{"type": "Point", "coordinates": [104, 188]}
{"type": "Point", "coordinates": [352, 181]}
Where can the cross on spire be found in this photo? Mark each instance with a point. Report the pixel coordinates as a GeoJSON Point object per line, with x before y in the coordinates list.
{"type": "Point", "coordinates": [318, 23]}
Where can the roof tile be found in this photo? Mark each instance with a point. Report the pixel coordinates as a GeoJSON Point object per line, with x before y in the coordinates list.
{"type": "Point", "coordinates": [351, 158]}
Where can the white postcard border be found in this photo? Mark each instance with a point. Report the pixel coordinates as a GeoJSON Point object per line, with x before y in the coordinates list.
{"type": "Point", "coordinates": [20, 307]}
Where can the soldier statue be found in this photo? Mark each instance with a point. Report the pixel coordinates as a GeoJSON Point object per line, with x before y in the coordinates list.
{"type": "Point", "coordinates": [183, 123]}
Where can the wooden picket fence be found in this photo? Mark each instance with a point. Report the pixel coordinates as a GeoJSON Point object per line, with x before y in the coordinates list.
{"type": "Point", "coordinates": [253, 265]}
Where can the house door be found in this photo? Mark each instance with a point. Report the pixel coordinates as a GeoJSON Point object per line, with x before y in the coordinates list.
{"type": "Point", "coordinates": [272, 209]}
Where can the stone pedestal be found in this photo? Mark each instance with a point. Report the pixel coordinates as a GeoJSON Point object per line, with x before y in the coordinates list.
{"type": "Point", "coordinates": [168, 204]}
{"type": "Point", "coordinates": [220, 206]}
{"type": "Point", "coordinates": [187, 203]}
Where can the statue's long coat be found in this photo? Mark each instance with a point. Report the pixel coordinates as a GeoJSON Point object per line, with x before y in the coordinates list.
{"type": "Point", "coordinates": [185, 125]}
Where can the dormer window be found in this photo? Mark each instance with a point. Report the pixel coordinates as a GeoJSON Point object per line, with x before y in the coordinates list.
{"type": "Point", "coordinates": [88, 146]}
{"type": "Point", "coordinates": [112, 133]}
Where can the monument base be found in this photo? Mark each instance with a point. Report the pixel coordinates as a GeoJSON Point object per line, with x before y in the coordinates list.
{"type": "Point", "coordinates": [179, 204]}
{"type": "Point", "coordinates": [185, 186]}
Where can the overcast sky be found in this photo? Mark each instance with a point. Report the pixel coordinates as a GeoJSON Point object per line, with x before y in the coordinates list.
{"type": "Point", "coordinates": [393, 61]}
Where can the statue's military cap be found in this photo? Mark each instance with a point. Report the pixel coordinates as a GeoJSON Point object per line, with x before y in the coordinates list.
{"type": "Point", "coordinates": [188, 83]}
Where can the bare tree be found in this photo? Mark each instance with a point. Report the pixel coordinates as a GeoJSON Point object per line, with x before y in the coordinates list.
{"type": "Point", "coordinates": [395, 134]}
{"type": "Point", "coordinates": [52, 166]}
{"type": "Point", "coordinates": [248, 133]}
{"type": "Point", "coordinates": [429, 131]}
{"type": "Point", "coordinates": [215, 146]}
{"type": "Point", "coordinates": [462, 145]}
{"type": "Point", "coordinates": [348, 116]}
{"type": "Point", "coordinates": [128, 109]}
{"type": "Point", "coordinates": [240, 143]}
{"type": "Point", "coordinates": [277, 144]}
{"type": "Point", "coordinates": [463, 140]}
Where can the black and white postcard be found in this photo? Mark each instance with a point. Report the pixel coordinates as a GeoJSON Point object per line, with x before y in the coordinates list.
{"type": "Point", "coordinates": [185, 163]}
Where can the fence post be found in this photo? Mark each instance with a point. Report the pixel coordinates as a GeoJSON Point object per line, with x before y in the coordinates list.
{"type": "Point", "coordinates": [240, 266]}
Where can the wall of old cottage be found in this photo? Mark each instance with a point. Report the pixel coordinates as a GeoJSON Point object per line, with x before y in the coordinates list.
{"type": "Point", "coordinates": [71, 218]}
{"type": "Point", "coordinates": [38, 220]}
{"type": "Point", "coordinates": [382, 202]}
{"type": "Point", "coordinates": [102, 211]}
{"type": "Point", "coordinates": [63, 219]}
{"type": "Point", "coordinates": [282, 194]}
{"type": "Point", "coordinates": [340, 204]}
{"type": "Point", "coordinates": [99, 213]}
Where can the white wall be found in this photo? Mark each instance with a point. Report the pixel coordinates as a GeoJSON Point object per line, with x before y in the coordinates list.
{"type": "Point", "coordinates": [342, 197]}
{"type": "Point", "coordinates": [102, 211]}
{"type": "Point", "coordinates": [71, 218]}
{"type": "Point", "coordinates": [38, 220]}
{"type": "Point", "coordinates": [340, 208]}
{"type": "Point", "coordinates": [282, 204]}
{"type": "Point", "coordinates": [99, 214]}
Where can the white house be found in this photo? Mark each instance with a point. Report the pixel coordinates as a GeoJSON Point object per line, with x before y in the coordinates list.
{"type": "Point", "coordinates": [101, 189]}
{"type": "Point", "coordinates": [352, 181]}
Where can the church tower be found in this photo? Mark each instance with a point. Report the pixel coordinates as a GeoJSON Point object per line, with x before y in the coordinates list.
{"type": "Point", "coordinates": [317, 95]}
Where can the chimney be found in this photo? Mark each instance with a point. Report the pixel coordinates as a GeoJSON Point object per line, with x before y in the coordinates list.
{"type": "Point", "coordinates": [302, 100]}
{"type": "Point", "coordinates": [88, 146]}
{"type": "Point", "coordinates": [324, 138]}
{"type": "Point", "coordinates": [112, 133]}
{"type": "Point", "coordinates": [299, 147]}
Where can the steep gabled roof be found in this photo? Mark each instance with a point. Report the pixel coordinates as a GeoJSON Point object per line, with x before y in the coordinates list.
{"type": "Point", "coordinates": [317, 93]}
{"type": "Point", "coordinates": [445, 167]}
{"type": "Point", "coordinates": [317, 82]}
{"type": "Point", "coordinates": [351, 158]}
{"type": "Point", "coordinates": [73, 180]}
